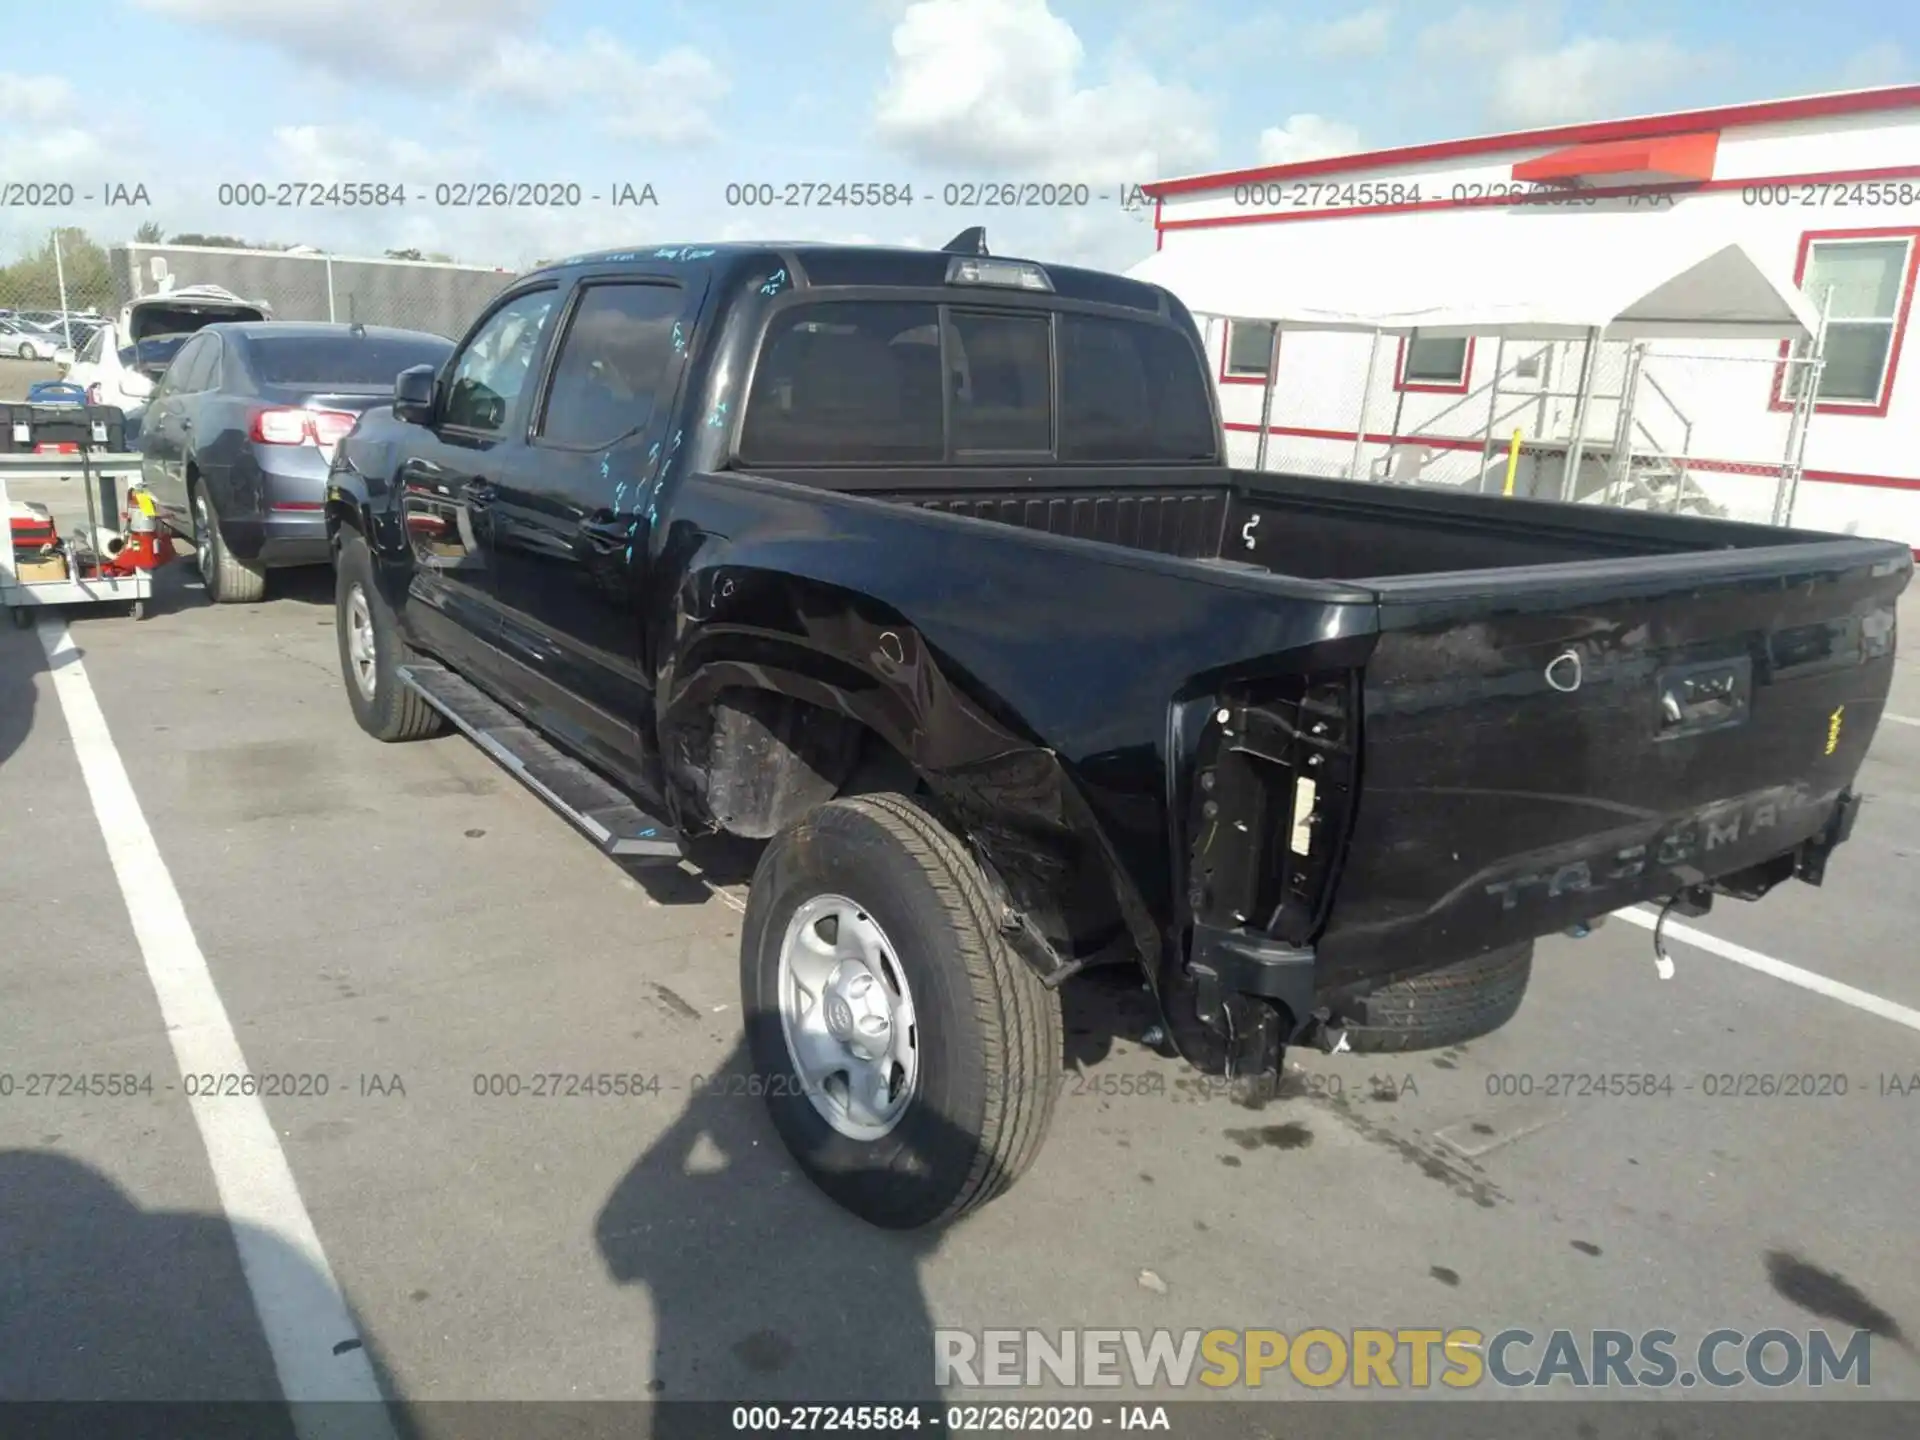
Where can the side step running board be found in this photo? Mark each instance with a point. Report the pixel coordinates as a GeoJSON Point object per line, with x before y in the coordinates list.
{"type": "Point", "coordinates": [596, 808]}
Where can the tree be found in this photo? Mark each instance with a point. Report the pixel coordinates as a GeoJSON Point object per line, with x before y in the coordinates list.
{"type": "Point", "coordinates": [33, 281]}
{"type": "Point", "coordinates": [217, 242]}
{"type": "Point", "coordinates": [149, 233]}
{"type": "Point", "coordinates": [405, 255]}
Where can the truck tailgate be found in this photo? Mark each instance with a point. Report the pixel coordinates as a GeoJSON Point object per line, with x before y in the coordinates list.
{"type": "Point", "coordinates": [1544, 744]}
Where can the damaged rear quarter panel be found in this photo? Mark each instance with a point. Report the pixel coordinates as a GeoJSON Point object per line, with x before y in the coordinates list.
{"type": "Point", "coordinates": [1028, 679]}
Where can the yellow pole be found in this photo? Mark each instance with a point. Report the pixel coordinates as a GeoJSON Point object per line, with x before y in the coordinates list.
{"type": "Point", "coordinates": [1513, 462]}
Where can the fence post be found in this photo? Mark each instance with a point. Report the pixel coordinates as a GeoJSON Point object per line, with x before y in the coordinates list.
{"type": "Point", "coordinates": [330, 315]}
{"type": "Point", "coordinates": [1577, 444]}
{"type": "Point", "coordinates": [60, 278]}
{"type": "Point", "coordinates": [1366, 400]}
{"type": "Point", "coordinates": [1493, 412]}
{"type": "Point", "coordinates": [1266, 395]}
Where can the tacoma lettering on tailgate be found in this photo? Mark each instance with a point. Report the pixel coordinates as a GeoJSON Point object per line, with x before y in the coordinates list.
{"type": "Point", "coordinates": [1604, 864]}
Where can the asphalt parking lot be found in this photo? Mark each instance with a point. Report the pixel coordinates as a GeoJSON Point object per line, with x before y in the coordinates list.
{"type": "Point", "coordinates": [395, 924]}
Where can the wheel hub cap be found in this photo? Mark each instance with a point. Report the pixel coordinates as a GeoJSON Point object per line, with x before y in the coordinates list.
{"type": "Point", "coordinates": [360, 645]}
{"type": "Point", "coordinates": [847, 1016]}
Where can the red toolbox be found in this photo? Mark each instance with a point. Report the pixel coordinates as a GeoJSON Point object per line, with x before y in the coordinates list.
{"type": "Point", "coordinates": [32, 526]}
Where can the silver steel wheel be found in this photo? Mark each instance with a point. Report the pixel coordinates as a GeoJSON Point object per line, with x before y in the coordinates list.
{"type": "Point", "coordinates": [360, 643]}
{"type": "Point", "coordinates": [847, 1015]}
{"type": "Point", "coordinates": [202, 537]}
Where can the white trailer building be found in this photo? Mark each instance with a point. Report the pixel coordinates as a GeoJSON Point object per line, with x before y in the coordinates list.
{"type": "Point", "coordinates": [1645, 303]}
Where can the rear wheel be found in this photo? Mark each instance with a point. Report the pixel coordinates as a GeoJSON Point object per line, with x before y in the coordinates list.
{"type": "Point", "coordinates": [372, 651]}
{"type": "Point", "coordinates": [908, 1056]}
{"type": "Point", "coordinates": [228, 581]}
{"type": "Point", "coordinates": [1448, 1006]}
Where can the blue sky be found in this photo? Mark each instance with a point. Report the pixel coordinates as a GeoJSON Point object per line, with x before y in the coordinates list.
{"type": "Point", "coordinates": [688, 97]}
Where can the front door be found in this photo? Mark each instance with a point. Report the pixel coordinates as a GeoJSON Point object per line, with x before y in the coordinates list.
{"type": "Point", "coordinates": [571, 515]}
{"type": "Point", "coordinates": [449, 480]}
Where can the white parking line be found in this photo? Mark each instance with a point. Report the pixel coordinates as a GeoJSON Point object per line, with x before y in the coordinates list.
{"type": "Point", "coordinates": [1899, 719]}
{"type": "Point", "coordinates": [317, 1351]}
{"type": "Point", "coordinates": [1778, 969]}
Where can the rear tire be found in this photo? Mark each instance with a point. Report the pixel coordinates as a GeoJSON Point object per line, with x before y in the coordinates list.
{"type": "Point", "coordinates": [985, 1033]}
{"type": "Point", "coordinates": [228, 581]}
{"type": "Point", "coordinates": [385, 707]}
{"type": "Point", "coordinates": [1448, 1006]}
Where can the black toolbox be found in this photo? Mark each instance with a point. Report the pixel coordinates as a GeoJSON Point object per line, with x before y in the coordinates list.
{"type": "Point", "coordinates": [57, 429]}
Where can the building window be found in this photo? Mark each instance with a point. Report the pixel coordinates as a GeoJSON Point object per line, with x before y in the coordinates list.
{"type": "Point", "coordinates": [1864, 280]}
{"type": "Point", "coordinates": [1249, 350]}
{"type": "Point", "coordinates": [1431, 363]}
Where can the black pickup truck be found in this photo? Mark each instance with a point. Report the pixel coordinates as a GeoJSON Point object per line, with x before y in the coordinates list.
{"type": "Point", "coordinates": [928, 568]}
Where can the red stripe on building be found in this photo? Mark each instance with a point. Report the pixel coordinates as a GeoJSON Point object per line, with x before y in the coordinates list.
{"type": "Point", "coordinates": [1765, 112]}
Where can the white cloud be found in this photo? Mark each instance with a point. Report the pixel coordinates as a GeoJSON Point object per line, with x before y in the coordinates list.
{"type": "Point", "coordinates": [1884, 63]}
{"type": "Point", "coordinates": [329, 153]}
{"type": "Point", "coordinates": [634, 99]}
{"type": "Point", "coordinates": [33, 99]}
{"type": "Point", "coordinates": [482, 48]}
{"type": "Point", "coordinates": [1586, 79]}
{"type": "Point", "coordinates": [1306, 137]}
{"type": "Point", "coordinates": [986, 86]}
{"type": "Point", "coordinates": [1476, 32]}
{"type": "Point", "coordinates": [1360, 34]}
{"type": "Point", "coordinates": [425, 41]}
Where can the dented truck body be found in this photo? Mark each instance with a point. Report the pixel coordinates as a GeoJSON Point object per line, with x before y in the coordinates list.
{"type": "Point", "coordinates": [1273, 738]}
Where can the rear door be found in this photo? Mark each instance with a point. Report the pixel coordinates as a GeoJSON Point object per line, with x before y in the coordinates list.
{"type": "Point", "coordinates": [1543, 745]}
{"type": "Point", "coordinates": [571, 517]}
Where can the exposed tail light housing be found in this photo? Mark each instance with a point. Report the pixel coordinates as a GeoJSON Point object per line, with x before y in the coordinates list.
{"type": "Point", "coordinates": [93, 393]}
{"type": "Point", "coordinates": [1273, 796]}
{"type": "Point", "coordinates": [292, 425]}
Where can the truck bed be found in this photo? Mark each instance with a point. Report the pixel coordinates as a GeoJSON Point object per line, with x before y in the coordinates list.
{"type": "Point", "coordinates": [1544, 711]}
{"type": "Point", "coordinates": [1300, 525]}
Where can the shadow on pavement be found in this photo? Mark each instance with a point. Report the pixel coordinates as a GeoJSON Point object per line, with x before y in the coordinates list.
{"type": "Point", "coordinates": [102, 1300]}
{"type": "Point", "coordinates": [763, 1290]}
{"type": "Point", "coordinates": [21, 659]}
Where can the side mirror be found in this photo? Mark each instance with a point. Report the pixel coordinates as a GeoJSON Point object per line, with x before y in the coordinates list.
{"type": "Point", "coordinates": [63, 357]}
{"type": "Point", "coordinates": [135, 384]}
{"type": "Point", "coordinates": [413, 395]}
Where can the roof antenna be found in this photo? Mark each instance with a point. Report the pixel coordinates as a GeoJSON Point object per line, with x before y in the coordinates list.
{"type": "Point", "coordinates": [971, 241]}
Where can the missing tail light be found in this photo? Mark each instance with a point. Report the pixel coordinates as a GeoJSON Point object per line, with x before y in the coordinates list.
{"type": "Point", "coordinates": [1271, 805]}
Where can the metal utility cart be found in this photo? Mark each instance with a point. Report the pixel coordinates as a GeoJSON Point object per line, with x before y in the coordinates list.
{"type": "Point", "coordinates": [108, 472]}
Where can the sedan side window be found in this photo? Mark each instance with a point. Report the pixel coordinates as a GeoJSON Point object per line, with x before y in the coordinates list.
{"type": "Point", "coordinates": [194, 366]}
{"type": "Point", "coordinates": [173, 380]}
{"type": "Point", "coordinates": [494, 367]}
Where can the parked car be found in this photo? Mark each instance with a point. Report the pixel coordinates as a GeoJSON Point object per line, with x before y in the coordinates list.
{"type": "Point", "coordinates": [237, 437]}
{"type": "Point", "coordinates": [929, 569]}
{"type": "Point", "coordinates": [26, 341]}
{"type": "Point", "coordinates": [121, 360]}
